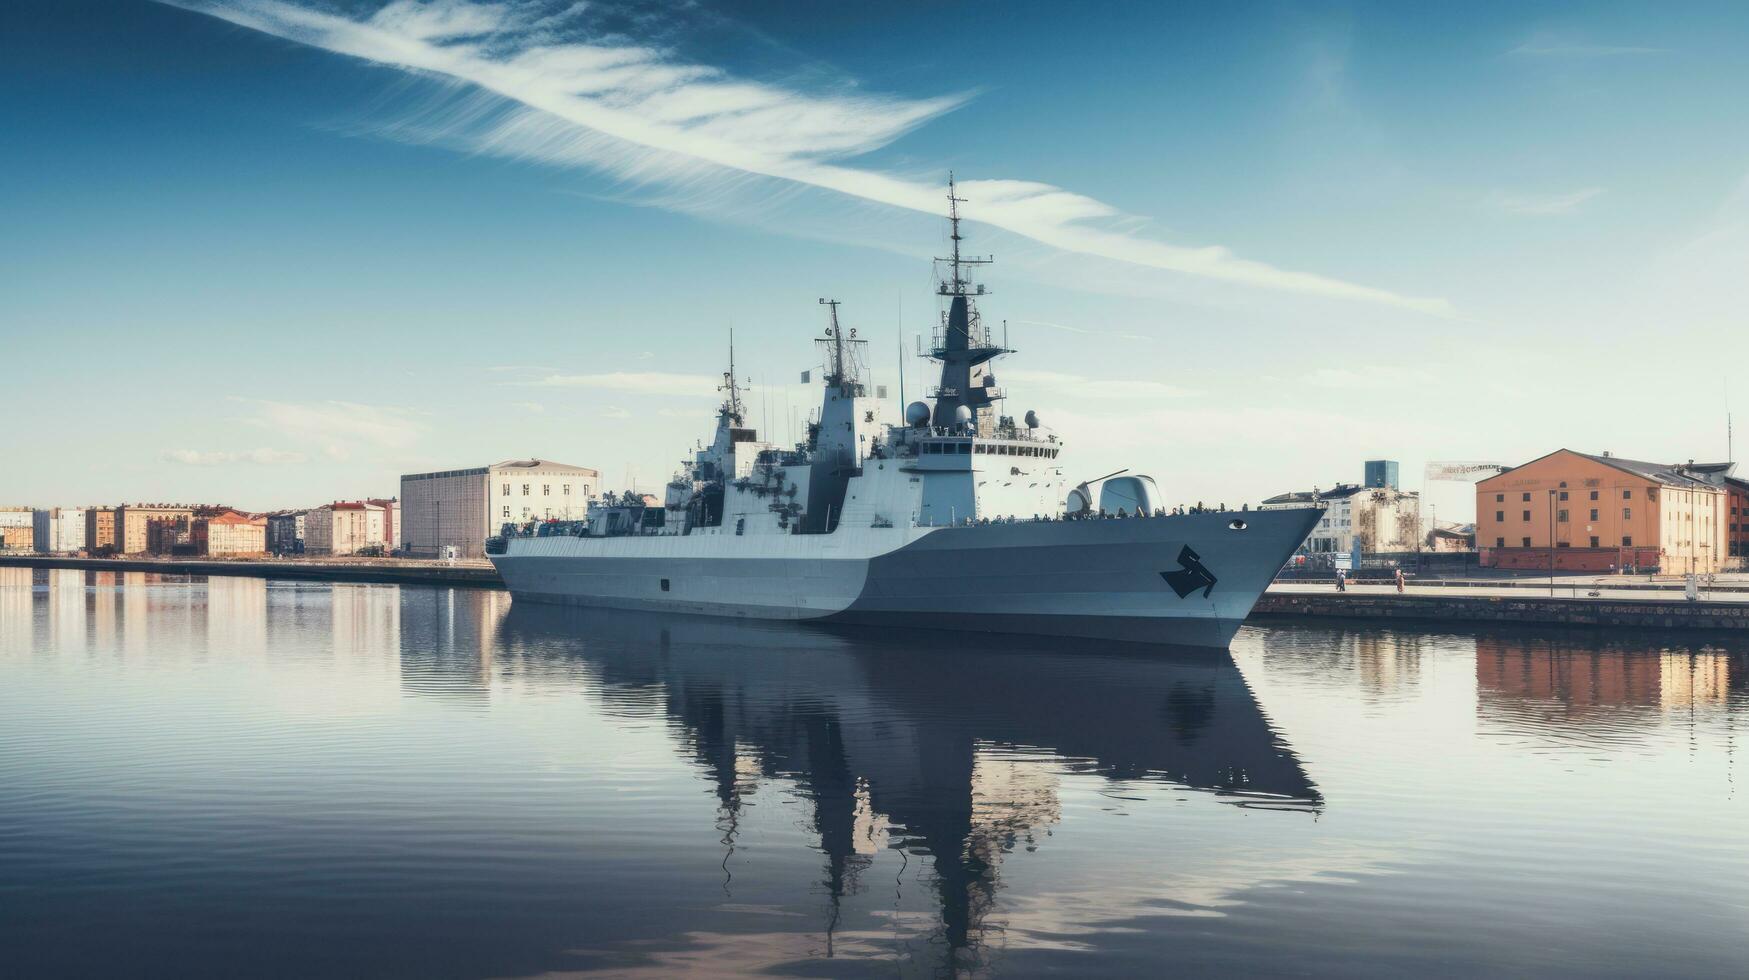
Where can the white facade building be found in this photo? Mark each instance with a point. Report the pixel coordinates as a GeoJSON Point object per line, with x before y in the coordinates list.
{"type": "Point", "coordinates": [59, 530]}
{"type": "Point", "coordinates": [17, 529]}
{"type": "Point", "coordinates": [462, 508]}
{"type": "Point", "coordinates": [345, 528]}
{"type": "Point", "coordinates": [1381, 519]}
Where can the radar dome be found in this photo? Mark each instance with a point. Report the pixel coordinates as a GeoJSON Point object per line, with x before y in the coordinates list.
{"type": "Point", "coordinates": [962, 415]}
{"type": "Point", "coordinates": [1080, 501]}
{"type": "Point", "coordinates": [917, 414]}
{"type": "Point", "coordinates": [1131, 494]}
{"type": "Point", "coordinates": [1031, 419]}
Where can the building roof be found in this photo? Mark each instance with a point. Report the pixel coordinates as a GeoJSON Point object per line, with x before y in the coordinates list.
{"type": "Point", "coordinates": [545, 464]}
{"type": "Point", "coordinates": [232, 517]}
{"type": "Point", "coordinates": [1336, 492]}
{"type": "Point", "coordinates": [1672, 474]}
{"type": "Point", "coordinates": [1668, 474]}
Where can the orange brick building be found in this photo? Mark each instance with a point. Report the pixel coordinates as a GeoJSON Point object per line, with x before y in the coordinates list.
{"type": "Point", "coordinates": [1576, 512]}
{"type": "Point", "coordinates": [1737, 530]}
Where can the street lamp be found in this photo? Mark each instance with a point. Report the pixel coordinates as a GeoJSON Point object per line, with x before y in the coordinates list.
{"type": "Point", "coordinates": [1551, 544]}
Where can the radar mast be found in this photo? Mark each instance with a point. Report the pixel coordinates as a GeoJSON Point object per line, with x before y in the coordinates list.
{"type": "Point", "coordinates": [961, 342]}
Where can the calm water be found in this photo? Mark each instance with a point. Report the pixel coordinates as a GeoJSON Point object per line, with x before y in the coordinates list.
{"type": "Point", "coordinates": [238, 777]}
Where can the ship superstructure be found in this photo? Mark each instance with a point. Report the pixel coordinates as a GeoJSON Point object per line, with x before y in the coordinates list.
{"type": "Point", "coordinates": [956, 515]}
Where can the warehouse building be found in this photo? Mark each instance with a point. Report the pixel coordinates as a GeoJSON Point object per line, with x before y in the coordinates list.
{"type": "Point", "coordinates": [1578, 512]}
{"type": "Point", "coordinates": [462, 508]}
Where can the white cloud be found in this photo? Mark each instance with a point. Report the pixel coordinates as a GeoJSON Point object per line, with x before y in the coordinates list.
{"type": "Point", "coordinates": [337, 423]}
{"type": "Point", "coordinates": [641, 115]}
{"type": "Point", "coordinates": [1543, 205]}
{"type": "Point", "coordinates": [1370, 377]}
{"type": "Point", "coordinates": [1087, 331]}
{"type": "Point", "coordinates": [266, 457]}
{"type": "Point", "coordinates": [1563, 49]}
{"type": "Point", "coordinates": [533, 408]}
{"type": "Point", "coordinates": [637, 382]}
{"type": "Point", "coordinates": [1077, 387]}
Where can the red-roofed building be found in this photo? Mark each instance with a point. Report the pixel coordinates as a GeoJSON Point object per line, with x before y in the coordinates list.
{"type": "Point", "coordinates": [229, 533]}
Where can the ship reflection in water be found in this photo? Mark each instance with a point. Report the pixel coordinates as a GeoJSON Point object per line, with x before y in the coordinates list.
{"type": "Point", "coordinates": [206, 777]}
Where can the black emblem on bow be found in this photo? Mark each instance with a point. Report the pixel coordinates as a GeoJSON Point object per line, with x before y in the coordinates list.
{"type": "Point", "coordinates": [1192, 574]}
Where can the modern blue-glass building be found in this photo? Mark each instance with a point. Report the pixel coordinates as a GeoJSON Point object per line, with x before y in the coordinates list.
{"type": "Point", "coordinates": [1381, 473]}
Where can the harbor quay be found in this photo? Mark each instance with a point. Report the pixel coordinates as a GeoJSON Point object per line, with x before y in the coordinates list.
{"type": "Point", "coordinates": [1579, 601]}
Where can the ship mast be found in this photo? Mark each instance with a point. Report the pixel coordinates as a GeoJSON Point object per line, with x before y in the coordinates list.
{"type": "Point", "coordinates": [732, 400]}
{"type": "Point", "coordinates": [962, 345]}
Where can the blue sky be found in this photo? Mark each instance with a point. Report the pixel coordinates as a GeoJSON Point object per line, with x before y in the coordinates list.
{"type": "Point", "coordinates": [274, 253]}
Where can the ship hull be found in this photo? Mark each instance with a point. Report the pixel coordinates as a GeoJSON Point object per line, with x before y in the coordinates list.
{"type": "Point", "coordinates": [1184, 580]}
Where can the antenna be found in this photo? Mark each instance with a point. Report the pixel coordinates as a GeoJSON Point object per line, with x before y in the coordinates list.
{"type": "Point", "coordinates": [732, 403]}
{"type": "Point", "coordinates": [901, 375]}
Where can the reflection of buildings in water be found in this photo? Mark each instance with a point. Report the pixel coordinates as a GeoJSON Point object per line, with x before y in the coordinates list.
{"type": "Point", "coordinates": [16, 598]}
{"type": "Point", "coordinates": [448, 640]}
{"type": "Point", "coordinates": [1385, 661]}
{"type": "Point", "coordinates": [103, 596]}
{"type": "Point", "coordinates": [236, 617]}
{"type": "Point", "coordinates": [64, 595]}
{"type": "Point", "coordinates": [1688, 680]}
{"type": "Point", "coordinates": [1581, 675]}
{"type": "Point", "coordinates": [913, 742]}
{"type": "Point", "coordinates": [366, 620]}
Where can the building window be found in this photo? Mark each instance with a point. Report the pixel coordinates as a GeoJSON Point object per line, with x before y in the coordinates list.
{"type": "Point", "coordinates": [546, 489]}
{"type": "Point", "coordinates": [1500, 515]}
{"type": "Point", "coordinates": [1499, 542]}
{"type": "Point", "coordinates": [1524, 542]}
{"type": "Point", "coordinates": [1526, 516]}
{"type": "Point", "coordinates": [1499, 498]}
{"type": "Point", "coordinates": [664, 585]}
{"type": "Point", "coordinates": [1594, 541]}
{"type": "Point", "coordinates": [506, 511]}
{"type": "Point", "coordinates": [1561, 515]}
{"type": "Point", "coordinates": [1627, 541]}
{"type": "Point", "coordinates": [1627, 513]}
{"type": "Point", "coordinates": [506, 489]}
{"type": "Point", "coordinates": [1527, 498]}
{"type": "Point", "coordinates": [565, 490]}
{"type": "Point", "coordinates": [1627, 495]}
{"type": "Point", "coordinates": [1594, 513]}
{"type": "Point", "coordinates": [1563, 494]}
{"type": "Point", "coordinates": [525, 489]}
{"type": "Point", "coordinates": [1594, 495]}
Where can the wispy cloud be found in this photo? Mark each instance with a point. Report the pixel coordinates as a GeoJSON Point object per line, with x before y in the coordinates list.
{"type": "Point", "coordinates": [266, 457]}
{"type": "Point", "coordinates": [637, 382]}
{"type": "Point", "coordinates": [1371, 376]}
{"type": "Point", "coordinates": [1543, 205]}
{"type": "Point", "coordinates": [1562, 49]}
{"type": "Point", "coordinates": [337, 423]}
{"type": "Point", "coordinates": [1080, 387]}
{"type": "Point", "coordinates": [642, 115]}
{"type": "Point", "coordinates": [1087, 331]}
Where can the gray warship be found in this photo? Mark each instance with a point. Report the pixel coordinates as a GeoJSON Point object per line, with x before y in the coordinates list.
{"type": "Point", "coordinates": [954, 516]}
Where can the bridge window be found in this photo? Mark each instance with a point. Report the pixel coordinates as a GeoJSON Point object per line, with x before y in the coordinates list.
{"type": "Point", "coordinates": [965, 449]}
